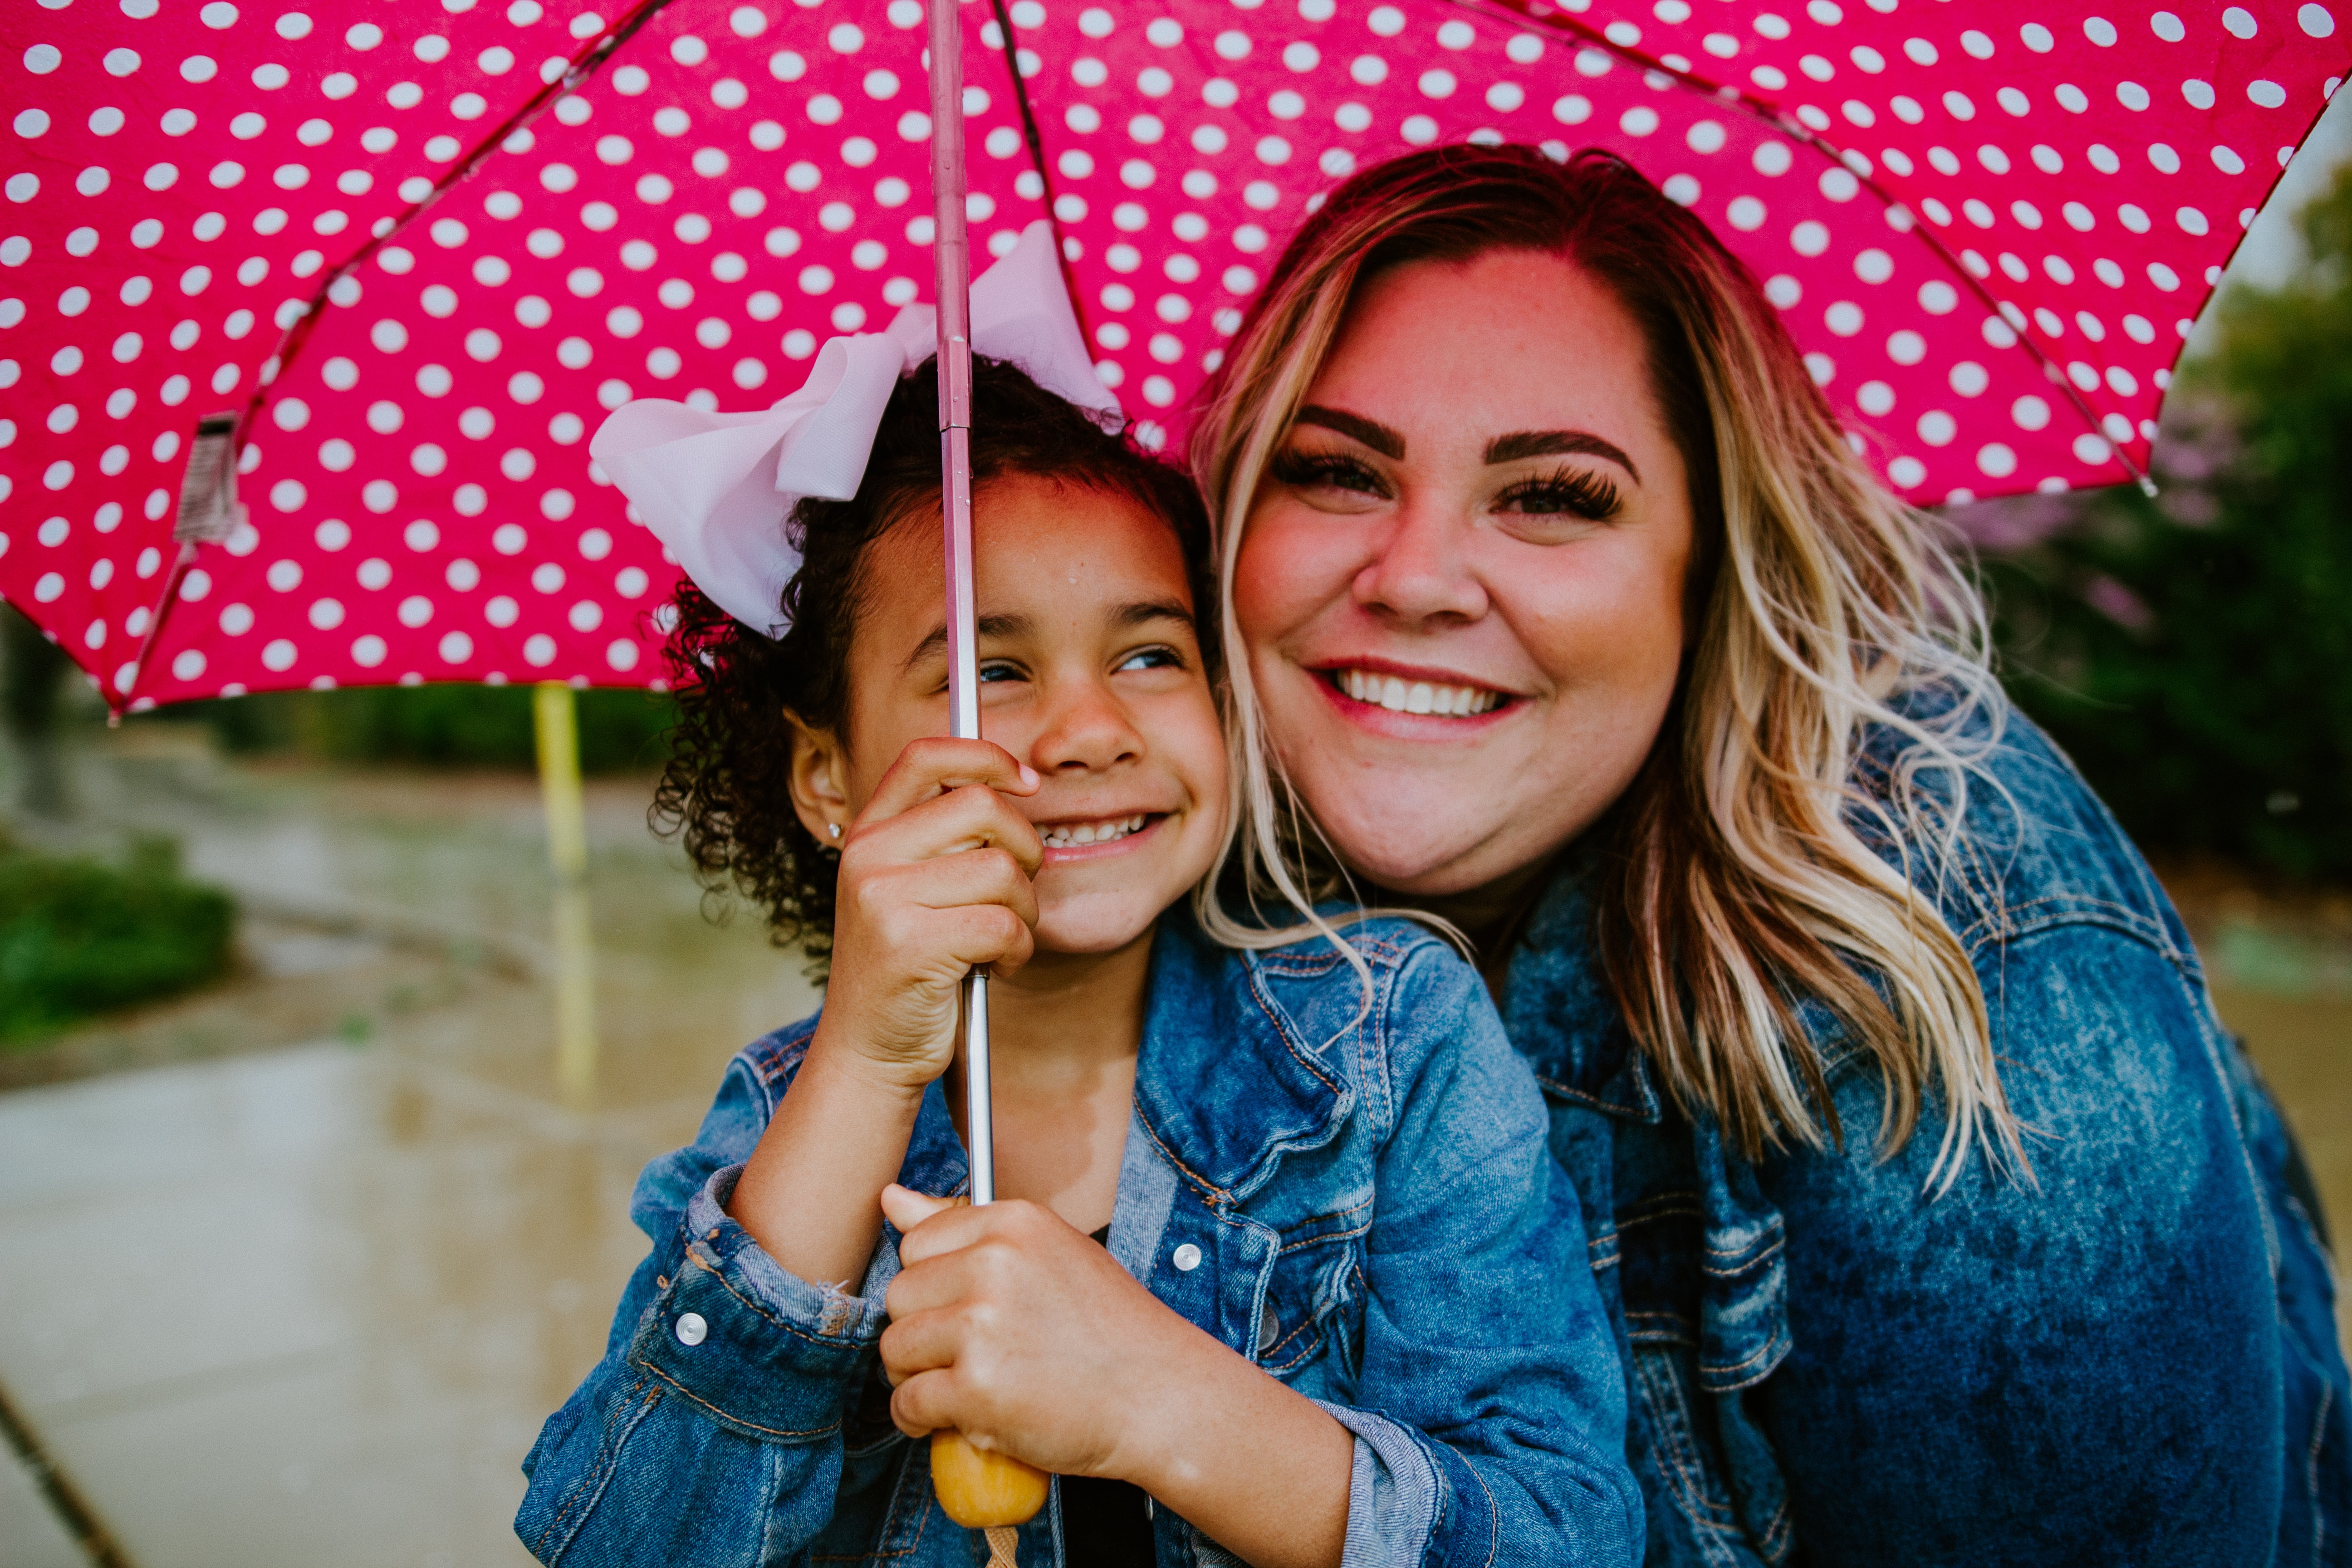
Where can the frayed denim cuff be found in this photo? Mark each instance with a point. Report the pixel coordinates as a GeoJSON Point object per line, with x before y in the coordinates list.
{"type": "Point", "coordinates": [1395, 1492]}
{"type": "Point", "coordinates": [826, 1309]}
{"type": "Point", "coordinates": [754, 1347]}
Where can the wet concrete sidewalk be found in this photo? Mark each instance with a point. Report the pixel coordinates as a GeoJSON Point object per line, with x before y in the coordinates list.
{"type": "Point", "coordinates": [308, 1305]}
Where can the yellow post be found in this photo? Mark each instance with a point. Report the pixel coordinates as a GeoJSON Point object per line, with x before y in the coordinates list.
{"type": "Point", "coordinates": [567, 853]}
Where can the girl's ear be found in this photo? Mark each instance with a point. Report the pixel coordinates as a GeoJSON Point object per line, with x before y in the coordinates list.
{"type": "Point", "coordinates": [820, 773]}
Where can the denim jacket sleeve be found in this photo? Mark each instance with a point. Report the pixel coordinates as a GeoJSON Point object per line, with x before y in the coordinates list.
{"type": "Point", "coordinates": [711, 1432]}
{"type": "Point", "coordinates": [1492, 1428]}
{"type": "Point", "coordinates": [1836, 1358]}
{"type": "Point", "coordinates": [2083, 1366]}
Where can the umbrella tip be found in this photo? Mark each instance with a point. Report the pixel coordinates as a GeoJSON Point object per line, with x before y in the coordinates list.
{"type": "Point", "coordinates": [2147, 486]}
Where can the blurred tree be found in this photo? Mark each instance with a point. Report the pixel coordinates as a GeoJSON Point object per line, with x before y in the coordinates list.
{"type": "Point", "coordinates": [2194, 652]}
{"type": "Point", "coordinates": [32, 675]}
{"type": "Point", "coordinates": [437, 726]}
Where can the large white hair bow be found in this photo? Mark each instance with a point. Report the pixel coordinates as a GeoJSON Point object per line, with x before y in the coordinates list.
{"type": "Point", "coordinates": [716, 487]}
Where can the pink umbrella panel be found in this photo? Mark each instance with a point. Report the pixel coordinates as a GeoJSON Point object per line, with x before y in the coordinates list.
{"type": "Point", "coordinates": [1989, 226]}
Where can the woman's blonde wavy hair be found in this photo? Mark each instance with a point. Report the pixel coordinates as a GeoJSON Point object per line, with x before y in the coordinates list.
{"type": "Point", "coordinates": [1737, 887]}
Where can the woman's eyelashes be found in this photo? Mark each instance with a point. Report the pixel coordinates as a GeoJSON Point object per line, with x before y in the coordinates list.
{"type": "Point", "coordinates": [1328, 470]}
{"type": "Point", "coordinates": [1565, 492]}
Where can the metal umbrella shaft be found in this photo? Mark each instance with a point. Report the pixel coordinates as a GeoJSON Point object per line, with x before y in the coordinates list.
{"type": "Point", "coordinates": [985, 1490]}
{"type": "Point", "coordinates": [952, 249]}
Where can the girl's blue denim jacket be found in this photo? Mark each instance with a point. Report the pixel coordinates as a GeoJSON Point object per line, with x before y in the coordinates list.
{"type": "Point", "coordinates": [2132, 1359]}
{"type": "Point", "coordinates": [1361, 1201]}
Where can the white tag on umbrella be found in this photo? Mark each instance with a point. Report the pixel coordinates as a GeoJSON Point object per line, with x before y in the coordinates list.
{"type": "Point", "coordinates": [209, 509]}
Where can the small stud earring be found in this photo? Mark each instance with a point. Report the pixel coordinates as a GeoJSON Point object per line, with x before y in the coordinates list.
{"type": "Point", "coordinates": [834, 828]}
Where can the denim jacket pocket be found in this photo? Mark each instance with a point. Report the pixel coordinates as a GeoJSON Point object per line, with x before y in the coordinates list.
{"type": "Point", "coordinates": [1744, 1279]}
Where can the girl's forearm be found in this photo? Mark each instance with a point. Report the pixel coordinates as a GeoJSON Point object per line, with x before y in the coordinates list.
{"type": "Point", "coordinates": [811, 1193]}
{"type": "Point", "coordinates": [1262, 1471]}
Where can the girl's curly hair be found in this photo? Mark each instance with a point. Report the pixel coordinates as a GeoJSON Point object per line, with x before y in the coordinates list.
{"type": "Point", "coordinates": [724, 792]}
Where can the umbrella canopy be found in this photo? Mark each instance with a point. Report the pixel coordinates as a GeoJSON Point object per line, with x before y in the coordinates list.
{"type": "Point", "coordinates": [419, 268]}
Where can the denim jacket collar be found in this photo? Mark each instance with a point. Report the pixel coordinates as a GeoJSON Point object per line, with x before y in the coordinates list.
{"type": "Point", "coordinates": [1202, 1038]}
{"type": "Point", "coordinates": [935, 1158]}
{"type": "Point", "coordinates": [1556, 1007]}
{"type": "Point", "coordinates": [1558, 1011]}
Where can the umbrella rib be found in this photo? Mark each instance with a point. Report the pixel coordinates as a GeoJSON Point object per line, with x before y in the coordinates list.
{"type": "Point", "coordinates": [297, 334]}
{"type": "Point", "coordinates": [1029, 134]}
{"type": "Point", "coordinates": [1772, 113]}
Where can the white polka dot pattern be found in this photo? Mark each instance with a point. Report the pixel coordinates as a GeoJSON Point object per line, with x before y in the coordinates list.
{"type": "Point", "coordinates": [1988, 226]}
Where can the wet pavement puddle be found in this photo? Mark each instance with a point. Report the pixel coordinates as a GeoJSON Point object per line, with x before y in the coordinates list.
{"type": "Point", "coordinates": [303, 1293]}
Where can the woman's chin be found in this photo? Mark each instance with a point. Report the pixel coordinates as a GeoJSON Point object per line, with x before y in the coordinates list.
{"type": "Point", "coordinates": [1434, 820]}
{"type": "Point", "coordinates": [1442, 840]}
{"type": "Point", "coordinates": [1404, 856]}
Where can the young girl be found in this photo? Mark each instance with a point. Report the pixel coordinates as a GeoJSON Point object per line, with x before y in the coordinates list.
{"type": "Point", "coordinates": [1283, 1271]}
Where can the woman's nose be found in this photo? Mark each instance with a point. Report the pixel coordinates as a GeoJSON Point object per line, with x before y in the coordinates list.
{"type": "Point", "coordinates": [1419, 572]}
{"type": "Point", "coordinates": [1087, 729]}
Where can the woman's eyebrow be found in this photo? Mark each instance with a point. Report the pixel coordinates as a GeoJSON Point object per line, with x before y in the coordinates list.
{"type": "Point", "coordinates": [1553, 443]}
{"type": "Point", "coordinates": [1369, 432]}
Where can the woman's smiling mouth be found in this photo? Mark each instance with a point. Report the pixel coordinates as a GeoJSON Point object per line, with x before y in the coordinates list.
{"type": "Point", "coordinates": [1399, 694]}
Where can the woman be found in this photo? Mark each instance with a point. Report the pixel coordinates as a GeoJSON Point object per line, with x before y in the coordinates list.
{"type": "Point", "coordinates": [1939, 1218]}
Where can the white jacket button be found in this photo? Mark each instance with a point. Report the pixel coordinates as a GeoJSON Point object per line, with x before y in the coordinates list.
{"type": "Point", "coordinates": [691, 1328]}
{"type": "Point", "coordinates": [1187, 1258]}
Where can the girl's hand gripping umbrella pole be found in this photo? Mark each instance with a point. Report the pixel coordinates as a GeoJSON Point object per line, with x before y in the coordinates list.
{"type": "Point", "coordinates": [978, 1489]}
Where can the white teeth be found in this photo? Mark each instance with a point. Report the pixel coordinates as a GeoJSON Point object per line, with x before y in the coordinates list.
{"type": "Point", "coordinates": [1070, 837]}
{"type": "Point", "coordinates": [1420, 697]}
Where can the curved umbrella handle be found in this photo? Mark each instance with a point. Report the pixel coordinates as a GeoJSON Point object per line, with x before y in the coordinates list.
{"type": "Point", "coordinates": [982, 1490]}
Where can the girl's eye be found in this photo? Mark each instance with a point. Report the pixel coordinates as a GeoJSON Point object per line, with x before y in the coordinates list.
{"type": "Point", "coordinates": [997, 670]}
{"type": "Point", "coordinates": [1151, 658]}
{"type": "Point", "coordinates": [1328, 470]}
{"type": "Point", "coordinates": [1569, 492]}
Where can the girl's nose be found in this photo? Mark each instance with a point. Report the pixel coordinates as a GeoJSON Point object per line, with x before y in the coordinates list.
{"type": "Point", "coordinates": [1419, 572]}
{"type": "Point", "coordinates": [1087, 729]}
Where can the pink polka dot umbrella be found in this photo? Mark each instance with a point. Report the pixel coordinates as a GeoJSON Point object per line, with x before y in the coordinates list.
{"type": "Point", "coordinates": [400, 258]}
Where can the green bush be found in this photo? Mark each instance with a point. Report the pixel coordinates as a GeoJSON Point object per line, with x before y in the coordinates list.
{"type": "Point", "coordinates": [2194, 652]}
{"type": "Point", "coordinates": [438, 726]}
{"type": "Point", "coordinates": [78, 936]}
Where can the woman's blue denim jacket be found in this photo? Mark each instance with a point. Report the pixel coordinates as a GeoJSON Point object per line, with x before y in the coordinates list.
{"type": "Point", "coordinates": [2133, 1359]}
{"type": "Point", "coordinates": [1361, 1201]}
